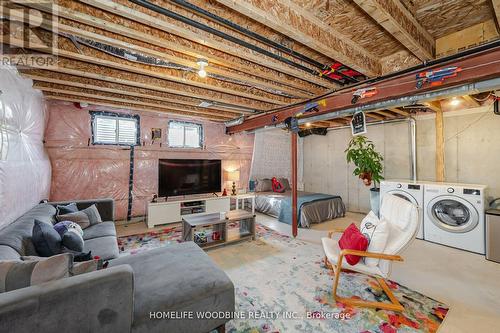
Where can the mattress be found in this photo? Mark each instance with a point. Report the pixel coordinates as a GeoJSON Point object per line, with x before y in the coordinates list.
{"type": "Point", "coordinates": [315, 210]}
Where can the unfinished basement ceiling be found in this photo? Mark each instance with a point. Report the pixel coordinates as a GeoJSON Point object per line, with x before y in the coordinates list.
{"type": "Point", "coordinates": [99, 40]}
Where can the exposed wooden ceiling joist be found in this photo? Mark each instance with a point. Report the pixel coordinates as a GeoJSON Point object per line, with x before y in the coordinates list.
{"type": "Point", "coordinates": [105, 21]}
{"type": "Point", "coordinates": [302, 26]}
{"type": "Point", "coordinates": [374, 115]}
{"type": "Point", "coordinates": [162, 54]}
{"type": "Point", "coordinates": [434, 106]}
{"type": "Point", "coordinates": [140, 101]}
{"type": "Point", "coordinates": [386, 114]}
{"type": "Point", "coordinates": [87, 84]}
{"type": "Point", "coordinates": [91, 56]}
{"type": "Point", "coordinates": [496, 10]}
{"type": "Point", "coordinates": [198, 37]}
{"type": "Point", "coordinates": [152, 84]}
{"type": "Point", "coordinates": [401, 24]}
{"type": "Point", "coordinates": [472, 102]}
{"type": "Point", "coordinates": [127, 106]}
{"type": "Point", "coordinates": [400, 112]}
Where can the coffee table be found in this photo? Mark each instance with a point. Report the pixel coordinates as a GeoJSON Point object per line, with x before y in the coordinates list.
{"type": "Point", "coordinates": [212, 230]}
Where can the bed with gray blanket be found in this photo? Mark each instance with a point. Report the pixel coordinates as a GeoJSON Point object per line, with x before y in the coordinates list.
{"type": "Point", "coordinates": [311, 207]}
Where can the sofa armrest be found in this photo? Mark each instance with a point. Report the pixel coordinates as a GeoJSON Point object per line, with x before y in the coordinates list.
{"type": "Point", "coordinates": [100, 301]}
{"type": "Point", "coordinates": [106, 207]}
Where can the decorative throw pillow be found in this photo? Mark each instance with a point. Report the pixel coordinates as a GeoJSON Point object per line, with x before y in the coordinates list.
{"type": "Point", "coordinates": [353, 239]}
{"type": "Point", "coordinates": [16, 274]}
{"type": "Point", "coordinates": [80, 218]}
{"type": "Point", "coordinates": [93, 214]}
{"type": "Point", "coordinates": [66, 209]}
{"type": "Point", "coordinates": [46, 240]}
{"type": "Point", "coordinates": [72, 241]}
{"type": "Point", "coordinates": [264, 185]}
{"type": "Point", "coordinates": [65, 226]}
{"type": "Point", "coordinates": [377, 233]}
{"type": "Point", "coordinates": [285, 183]}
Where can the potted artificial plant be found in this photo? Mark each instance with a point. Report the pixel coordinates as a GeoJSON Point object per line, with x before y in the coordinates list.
{"type": "Point", "coordinates": [368, 162]}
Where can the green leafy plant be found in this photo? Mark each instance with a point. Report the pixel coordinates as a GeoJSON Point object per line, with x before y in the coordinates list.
{"type": "Point", "coordinates": [367, 160]}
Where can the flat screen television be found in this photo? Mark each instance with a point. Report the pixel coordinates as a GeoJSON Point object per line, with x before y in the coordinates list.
{"type": "Point", "coordinates": [184, 177]}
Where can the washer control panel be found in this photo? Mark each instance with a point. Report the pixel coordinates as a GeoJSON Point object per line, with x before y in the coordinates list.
{"type": "Point", "coordinates": [472, 191]}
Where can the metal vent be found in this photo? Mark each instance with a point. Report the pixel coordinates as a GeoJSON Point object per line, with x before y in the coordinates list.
{"type": "Point", "coordinates": [205, 104]}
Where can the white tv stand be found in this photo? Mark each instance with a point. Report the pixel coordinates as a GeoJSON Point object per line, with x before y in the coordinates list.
{"type": "Point", "coordinates": [173, 209]}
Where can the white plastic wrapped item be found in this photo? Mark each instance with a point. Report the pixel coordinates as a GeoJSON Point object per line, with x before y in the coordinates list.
{"type": "Point", "coordinates": [25, 171]}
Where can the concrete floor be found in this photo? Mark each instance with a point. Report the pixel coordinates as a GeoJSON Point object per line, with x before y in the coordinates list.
{"type": "Point", "coordinates": [467, 282]}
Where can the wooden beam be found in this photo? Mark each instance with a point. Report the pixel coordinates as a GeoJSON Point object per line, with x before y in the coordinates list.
{"type": "Point", "coordinates": [198, 37]}
{"type": "Point", "coordinates": [467, 38]}
{"type": "Point", "coordinates": [434, 106]}
{"type": "Point", "coordinates": [400, 23]}
{"type": "Point", "coordinates": [120, 89]}
{"type": "Point", "coordinates": [118, 105]}
{"type": "Point", "coordinates": [152, 84]}
{"type": "Point", "coordinates": [163, 54]}
{"type": "Point", "coordinates": [485, 65]}
{"type": "Point", "coordinates": [199, 48]}
{"type": "Point", "coordinates": [385, 114]}
{"type": "Point", "coordinates": [293, 21]}
{"type": "Point", "coordinates": [374, 115]}
{"type": "Point", "coordinates": [294, 185]}
{"type": "Point", "coordinates": [472, 102]}
{"type": "Point", "coordinates": [496, 12]}
{"type": "Point", "coordinates": [193, 112]}
{"type": "Point", "coordinates": [98, 58]}
{"type": "Point", "coordinates": [440, 148]}
{"type": "Point", "coordinates": [398, 111]}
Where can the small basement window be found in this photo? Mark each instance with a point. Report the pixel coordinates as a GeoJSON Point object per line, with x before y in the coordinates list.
{"type": "Point", "coordinates": [114, 129]}
{"type": "Point", "coordinates": [185, 135]}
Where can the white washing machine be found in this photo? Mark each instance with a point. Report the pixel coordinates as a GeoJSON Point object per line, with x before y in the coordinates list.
{"type": "Point", "coordinates": [408, 190]}
{"type": "Point", "coordinates": [454, 215]}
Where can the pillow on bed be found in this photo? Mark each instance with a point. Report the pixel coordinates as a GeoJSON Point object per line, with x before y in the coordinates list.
{"type": "Point", "coordinates": [285, 183]}
{"type": "Point", "coordinates": [264, 185]}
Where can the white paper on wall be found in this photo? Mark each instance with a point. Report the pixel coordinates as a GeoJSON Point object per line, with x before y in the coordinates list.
{"type": "Point", "coordinates": [272, 156]}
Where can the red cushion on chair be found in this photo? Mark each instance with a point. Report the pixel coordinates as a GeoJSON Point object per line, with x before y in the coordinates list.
{"type": "Point", "coordinates": [353, 239]}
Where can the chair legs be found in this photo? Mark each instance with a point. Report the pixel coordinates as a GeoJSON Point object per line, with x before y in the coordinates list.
{"type": "Point", "coordinates": [393, 306]}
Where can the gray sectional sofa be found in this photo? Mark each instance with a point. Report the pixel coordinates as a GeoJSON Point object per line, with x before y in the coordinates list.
{"type": "Point", "coordinates": [136, 293]}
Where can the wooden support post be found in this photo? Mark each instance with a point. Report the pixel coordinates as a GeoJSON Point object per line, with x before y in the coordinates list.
{"type": "Point", "coordinates": [439, 145]}
{"type": "Point", "coordinates": [294, 185]}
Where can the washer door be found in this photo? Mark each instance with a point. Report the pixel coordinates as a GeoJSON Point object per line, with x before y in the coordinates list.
{"type": "Point", "coordinates": [404, 195]}
{"type": "Point", "coordinates": [453, 214]}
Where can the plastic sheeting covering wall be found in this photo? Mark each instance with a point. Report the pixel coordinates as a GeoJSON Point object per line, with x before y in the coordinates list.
{"type": "Point", "coordinates": [84, 171]}
{"type": "Point", "coordinates": [24, 164]}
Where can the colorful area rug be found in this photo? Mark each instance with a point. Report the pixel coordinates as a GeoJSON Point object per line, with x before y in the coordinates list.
{"type": "Point", "coordinates": [282, 286]}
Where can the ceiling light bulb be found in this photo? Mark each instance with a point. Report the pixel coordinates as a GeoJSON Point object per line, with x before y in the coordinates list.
{"type": "Point", "coordinates": [202, 73]}
{"type": "Point", "coordinates": [202, 63]}
{"type": "Point", "coordinates": [455, 101]}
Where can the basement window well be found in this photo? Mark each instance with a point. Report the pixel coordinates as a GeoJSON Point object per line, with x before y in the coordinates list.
{"type": "Point", "coordinates": [185, 135]}
{"type": "Point", "coordinates": [110, 128]}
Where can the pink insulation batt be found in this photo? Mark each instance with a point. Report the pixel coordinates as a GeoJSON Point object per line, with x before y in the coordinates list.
{"type": "Point", "coordinates": [81, 170]}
